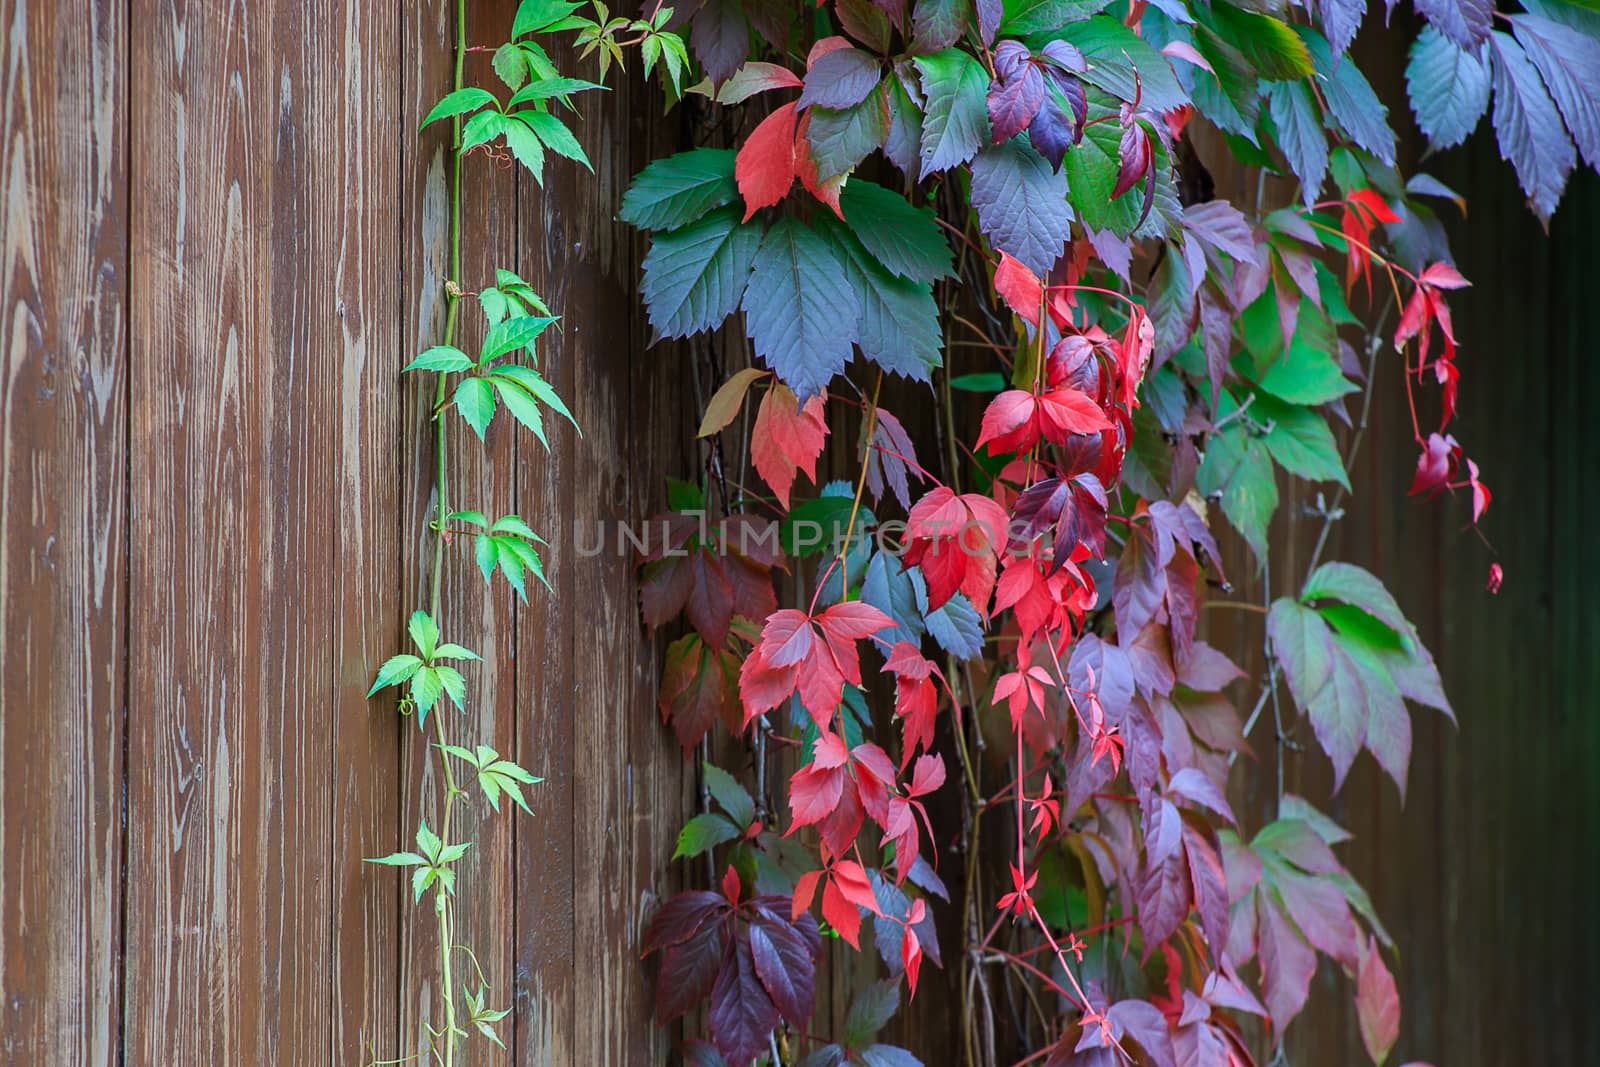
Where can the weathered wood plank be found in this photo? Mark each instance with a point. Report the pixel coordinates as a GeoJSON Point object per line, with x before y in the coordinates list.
{"type": "Point", "coordinates": [359, 240]}
{"type": "Point", "coordinates": [63, 514]}
{"type": "Point", "coordinates": [231, 599]}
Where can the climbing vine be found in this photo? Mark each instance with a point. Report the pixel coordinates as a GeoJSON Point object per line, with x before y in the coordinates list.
{"type": "Point", "coordinates": [993, 661]}
{"type": "Point", "coordinates": [526, 127]}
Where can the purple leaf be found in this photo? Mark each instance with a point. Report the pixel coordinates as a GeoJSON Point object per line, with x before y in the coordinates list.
{"type": "Point", "coordinates": [1143, 1021]}
{"type": "Point", "coordinates": [1448, 88]}
{"type": "Point", "coordinates": [680, 917]}
{"type": "Point", "coordinates": [1528, 128]}
{"type": "Point", "coordinates": [1022, 204]}
{"type": "Point", "coordinates": [1163, 901]}
{"type": "Point", "coordinates": [1569, 61]}
{"type": "Point", "coordinates": [990, 12]}
{"type": "Point", "coordinates": [841, 79]}
{"type": "Point", "coordinates": [1319, 910]}
{"type": "Point", "coordinates": [1210, 889]}
{"type": "Point", "coordinates": [938, 24]}
{"type": "Point", "coordinates": [1220, 226]}
{"type": "Point", "coordinates": [783, 964]}
{"type": "Point", "coordinates": [720, 37]}
{"type": "Point", "coordinates": [1287, 962]}
{"type": "Point", "coordinates": [1465, 22]}
{"type": "Point", "coordinates": [1192, 785]}
{"type": "Point", "coordinates": [1340, 20]}
{"type": "Point", "coordinates": [1014, 101]}
{"type": "Point", "coordinates": [742, 1014]}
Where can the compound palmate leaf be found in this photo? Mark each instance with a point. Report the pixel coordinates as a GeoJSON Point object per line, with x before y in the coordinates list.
{"type": "Point", "coordinates": [1448, 87]}
{"type": "Point", "coordinates": [956, 122]}
{"type": "Point", "coordinates": [799, 308]}
{"type": "Point", "coordinates": [1350, 658]}
{"type": "Point", "coordinates": [694, 276]}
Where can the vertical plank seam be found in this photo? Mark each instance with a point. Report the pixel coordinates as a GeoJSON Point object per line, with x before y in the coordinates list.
{"type": "Point", "coordinates": [408, 158]}
{"type": "Point", "coordinates": [120, 991]}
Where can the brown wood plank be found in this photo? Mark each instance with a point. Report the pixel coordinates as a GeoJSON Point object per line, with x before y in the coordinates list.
{"type": "Point", "coordinates": [480, 477]}
{"type": "Point", "coordinates": [359, 242]}
{"type": "Point", "coordinates": [63, 514]}
{"type": "Point", "coordinates": [234, 413]}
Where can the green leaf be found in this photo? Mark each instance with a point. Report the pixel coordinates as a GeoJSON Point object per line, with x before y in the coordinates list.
{"type": "Point", "coordinates": [1091, 169]}
{"type": "Point", "coordinates": [428, 841]}
{"type": "Point", "coordinates": [703, 833]}
{"type": "Point", "coordinates": [535, 15]}
{"type": "Point", "coordinates": [555, 135]}
{"type": "Point", "coordinates": [443, 358]}
{"type": "Point", "coordinates": [534, 383]}
{"type": "Point", "coordinates": [521, 404]}
{"type": "Point", "coordinates": [1239, 467]}
{"type": "Point", "coordinates": [985, 382]}
{"type": "Point", "coordinates": [512, 568]}
{"type": "Point", "coordinates": [800, 310]}
{"type": "Point", "coordinates": [426, 686]}
{"type": "Point", "coordinates": [680, 189]}
{"type": "Point", "coordinates": [459, 103]}
{"type": "Point", "coordinates": [904, 238]}
{"type": "Point", "coordinates": [695, 276]}
{"type": "Point", "coordinates": [482, 128]}
{"type": "Point", "coordinates": [424, 632]}
{"type": "Point", "coordinates": [1266, 43]}
{"type": "Point", "coordinates": [726, 791]}
{"type": "Point", "coordinates": [840, 139]}
{"type": "Point", "coordinates": [1230, 99]}
{"type": "Point", "coordinates": [475, 400]}
{"type": "Point", "coordinates": [547, 88]}
{"type": "Point", "coordinates": [476, 518]}
{"type": "Point", "coordinates": [526, 149]}
{"type": "Point", "coordinates": [486, 554]}
{"type": "Point", "coordinates": [510, 65]}
{"type": "Point", "coordinates": [1351, 101]}
{"type": "Point", "coordinates": [462, 754]}
{"type": "Point", "coordinates": [1298, 121]}
{"type": "Point", "coordinates": [956, 118]}
{"type": "Point", "coordinates": [1022, 203]}
{"type": "Point", "coordinates": [1300, 641]}
{"type": "Point", "coordinates": [1306, 375]}
{"type": "Point", "coordinates": [449, 651]}
{"type": "Point", "coordinates": [1115, 54]}
{"type": "Point", "coordinates": [1359, 588]}
{"type": "Point", "coordinates": [899, 324]}
{"type": "Point", "coordinates": [394, 671]}
{"type": "Point", "coordinates": [815, 525]}
{"type": "Point", "coordinates": [512, 335]}
{"type": "Point", "coordinates": [1300, 440]}
{"type": "Point", "coordinates": [451, 681]}
{"type": "Point", "coordinates": [398, 859]}
{"type": "Point", "coordinates": [514, 525]}
{"type": "Point", "coordinates": [1033, 16]}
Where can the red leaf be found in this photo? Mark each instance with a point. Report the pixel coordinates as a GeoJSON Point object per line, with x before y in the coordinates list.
{"type": "Point", "coordinates": [814, 793]}
{"type": "Point", "coordinates": [730, 885]}
{"type": "Point", "coordinates": [826, 190]}
{"type": "Point", "coordinates": [1133, 158]}
{"type": "Point", "coordinates": [765, 166]}
{"type": "Point", "coordinates": [841, 914]}
{"type": "Point", "coordinates": [1435, 465]}
{"type": "Point", "coordinates": [928, 776]}
{"type": "Point", "coordinates": [787, 438]}
{"type": "Point", "coordinates": [1020, 288]}
{"type": "Point", "coordinates": [697, 686]}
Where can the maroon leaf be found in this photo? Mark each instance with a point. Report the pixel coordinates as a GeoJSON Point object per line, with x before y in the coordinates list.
{"type": "Point", "coordinates": [783, 963]}
{"type": "Point", "coordinates": [678, 919]}
{"type": "Point", "coordinates": [1210, 888]}
{"type": "Point", "coordinates": [720, 38]}
{"type": "Point", "coordinates": [689, 970]}
{"type": "Point", "coordinates": [742, 1014]}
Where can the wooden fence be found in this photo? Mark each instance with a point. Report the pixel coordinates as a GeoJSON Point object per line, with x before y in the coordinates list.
{"type": "Point", "coordinates": [222, 241]}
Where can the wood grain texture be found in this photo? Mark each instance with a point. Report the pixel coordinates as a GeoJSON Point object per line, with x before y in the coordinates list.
{"type": "Point", "coordinates": [63, 513]}
{"type": "Point", "coordinates": [359, 249]}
